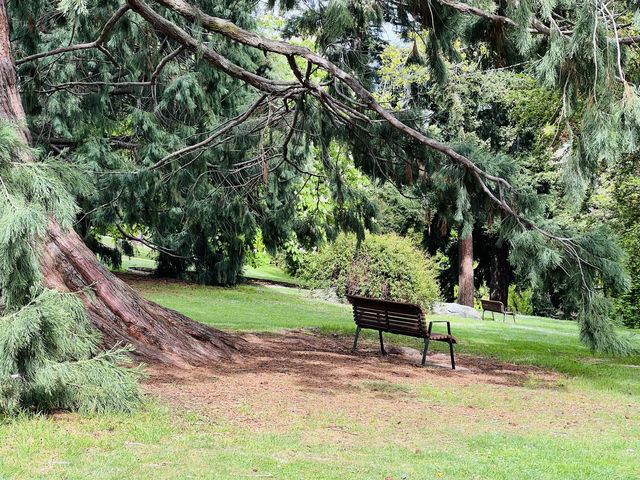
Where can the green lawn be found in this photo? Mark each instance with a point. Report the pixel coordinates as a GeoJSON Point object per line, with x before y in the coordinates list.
{"type": "Point", "coordinates": [269, 272]}
{"type": "Point", "coordinates": [583, 426]}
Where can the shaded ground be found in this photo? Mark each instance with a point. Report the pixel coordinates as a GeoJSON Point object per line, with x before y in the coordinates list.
{"type": "Point", "coordinates": [281, 368]}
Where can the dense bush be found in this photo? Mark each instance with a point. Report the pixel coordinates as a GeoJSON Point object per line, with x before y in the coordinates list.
{"type": "Point", "coordinates": [382, 266]}
{"type": "Point", "coordinates": [520, 301]}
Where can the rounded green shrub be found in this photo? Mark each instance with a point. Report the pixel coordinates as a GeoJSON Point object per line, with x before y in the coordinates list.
{"type": "Point", "coordinates": [388, 267]}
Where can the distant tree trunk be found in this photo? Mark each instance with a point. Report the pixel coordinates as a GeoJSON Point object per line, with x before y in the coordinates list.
{"type": "Point", "coordinates": [115, 309]}
{"type": "Point", "coordinates": [500, 275]}
{"type": "Point", "coordinates": [465, 271]}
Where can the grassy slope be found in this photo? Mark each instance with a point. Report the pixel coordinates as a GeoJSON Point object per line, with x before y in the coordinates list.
{"type": "Point", "coordinates": [269, 272]}
{"type": "Point", "coordinates": [521, 432]}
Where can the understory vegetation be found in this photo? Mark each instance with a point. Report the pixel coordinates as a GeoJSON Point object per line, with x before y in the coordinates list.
{"type": "Point", "coordinates": [49, 355]}
{"type": "Point", "coordinates": [388, 267]}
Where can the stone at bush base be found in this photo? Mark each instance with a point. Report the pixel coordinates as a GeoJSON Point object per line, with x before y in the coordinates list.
{"type": "Point", "coordinates": [456, 310]}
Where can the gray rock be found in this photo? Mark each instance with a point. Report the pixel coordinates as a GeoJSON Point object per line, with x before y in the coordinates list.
{"type": "Point", "coordinates": [456, 310]}
{"type": "Point", "coordinates": [327, 294]}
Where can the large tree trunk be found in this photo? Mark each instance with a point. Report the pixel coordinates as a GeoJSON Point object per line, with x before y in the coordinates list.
{"type": "Point", "coordinates": [500, 274]}
{"type": "Point", "coordinates": [123, 316]}
{"type": "Point", "coordinates": [465, 271]}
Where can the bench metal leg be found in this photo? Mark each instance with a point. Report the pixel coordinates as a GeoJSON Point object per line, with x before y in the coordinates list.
{"type": "Point", "coordinates": [381, 344]}
{"type": "Point", "coordinates": [453, 361]}
{"type": "Point", "coordinates": [493, 317]}
{"type": "Point", "coordinates": [426, 347]}
{"type": "Point", "coordinates": [355, 342]}
{"type": "Point", "coordinates": [482, 314]}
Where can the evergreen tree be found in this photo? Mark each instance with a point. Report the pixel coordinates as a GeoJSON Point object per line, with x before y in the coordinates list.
{"type": "Point", "coordinates": [49, 355]}
{"type": "Point", "coordinates": [41, 252]}
{"type": "Point", "coordinates": [581, 45]}
{"type": "Point", "coordinates": [517, 35]}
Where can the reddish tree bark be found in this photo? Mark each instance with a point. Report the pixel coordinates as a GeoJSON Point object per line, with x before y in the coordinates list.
{"type": "Point", "coordinates": [465, 271]}
{"type": "Point", "coordinates": [122, 315]}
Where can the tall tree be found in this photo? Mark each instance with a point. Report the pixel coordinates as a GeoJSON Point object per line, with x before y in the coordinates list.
{"type": "Point", "coordinates": [120, 313]}
{"type": "Point", "coordinates": [465, 271]}
{"type": "Point", "coordinates": [325, 99]}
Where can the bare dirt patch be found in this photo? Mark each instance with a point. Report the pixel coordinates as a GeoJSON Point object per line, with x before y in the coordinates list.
{"type": "Point", "coordinates": [314, 387]}
{"type": "Point", "coordinates": [295, 364]}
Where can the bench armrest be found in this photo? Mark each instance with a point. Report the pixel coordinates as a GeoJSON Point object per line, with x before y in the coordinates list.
{"type": "Point", "coordinates": [441, 321]}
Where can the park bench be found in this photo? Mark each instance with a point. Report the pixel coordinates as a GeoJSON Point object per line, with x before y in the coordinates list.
{"type": "Point", "coordinates": [397, 317]}
{"type": "Point", "coordinates": [494, 306]}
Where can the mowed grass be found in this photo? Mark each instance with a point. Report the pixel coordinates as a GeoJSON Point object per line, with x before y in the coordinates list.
{"type": "Point", "coordinates": [161, 442]}
{"type": "Point", "coordinates": [585, 426]}
{"type": "Point", "coordinates": [269, 272]}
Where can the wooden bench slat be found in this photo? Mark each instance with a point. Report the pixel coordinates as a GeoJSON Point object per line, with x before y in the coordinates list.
{"type": "Point", "coordinates": [496, 307]}
{"type": "Point", "coordinates": [396, 317]}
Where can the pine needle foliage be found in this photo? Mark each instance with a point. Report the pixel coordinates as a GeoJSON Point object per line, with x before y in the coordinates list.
{"type": "Point", "coordinates": [49, 360]}
{"type": "Point", "coordinates": [205, 207]}
{"type": "Point", "coordinates": [595, 110]}
{"type": "Point", "coordinates": [49, 356]}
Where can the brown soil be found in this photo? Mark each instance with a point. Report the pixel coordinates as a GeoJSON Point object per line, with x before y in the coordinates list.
{"type": "Point", "coordinates": [288, 366]}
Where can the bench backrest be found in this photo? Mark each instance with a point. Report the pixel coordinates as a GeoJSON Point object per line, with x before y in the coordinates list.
{"type": "Point", "coordinates": [493, 306]}
{"type": "Point", "coordinates": [388, 316]}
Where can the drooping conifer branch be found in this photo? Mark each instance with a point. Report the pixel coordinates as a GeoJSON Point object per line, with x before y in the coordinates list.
{"type": "Point", "coordinates": [341, 111]}
{"type": "Point", "coordinates": [536, 26]}
{"type": "Point", "coordinates": [227, 128]}
{"type": "Point", "coordinates": [97, 43]}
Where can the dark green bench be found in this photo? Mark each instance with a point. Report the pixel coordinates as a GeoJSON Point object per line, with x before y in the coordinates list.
{"type": "Point", "coordinates": [397, 317]}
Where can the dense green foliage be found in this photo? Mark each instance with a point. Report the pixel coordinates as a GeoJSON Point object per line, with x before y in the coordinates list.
{"type": "Point", "coordinates": [520, 301]}
{"type": "Point", "coordinates": [626, 219]}
{"type": "Point", "coordinates": [387, 266]}
{"type": "Point", "coordinates": [198, 215]}
{"type": "Point", "coordinates": [512, 127]}
{"type": "Point", "coordinates": [49, 360]}
{"type": "Point", "coordinates": [48, 353]}
{"type": "Point", "coordinates": [200, 209]}
{"type": "Point", "coordinates": [203, 208]}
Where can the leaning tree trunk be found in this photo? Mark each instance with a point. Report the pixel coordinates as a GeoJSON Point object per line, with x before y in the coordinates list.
{"type": "Point", "coordinates": [121, 314]}
{"type": "Point", "coordinates": [465, 271]}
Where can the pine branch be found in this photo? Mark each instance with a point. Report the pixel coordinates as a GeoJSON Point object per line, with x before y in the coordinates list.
{"type": "Point", "coordinates": [537, 27]}
{"type": "Point", "coordinates": [164, 61]}
{"type": "Point", "coordinates": [97, 43]}
{"type": "Point", "coordinates": [340, 112]}
{"type": "Point", "coordinates": [152, 246]}
{"type": "Point", "coordinates": [232, 124]}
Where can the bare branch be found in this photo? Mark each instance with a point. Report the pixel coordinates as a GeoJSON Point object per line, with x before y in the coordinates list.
{"type": "Point", "coordinates": [152, 246]}
{"type": "Point", "coordinates": [164, 61]}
